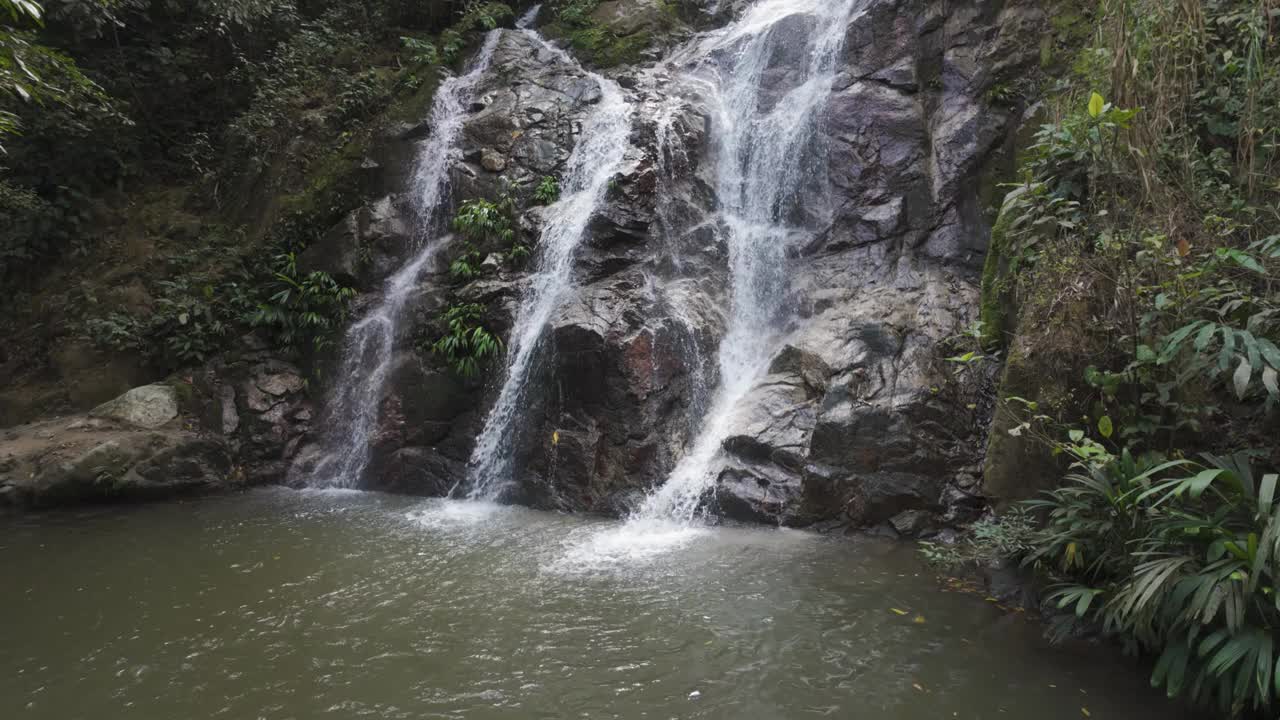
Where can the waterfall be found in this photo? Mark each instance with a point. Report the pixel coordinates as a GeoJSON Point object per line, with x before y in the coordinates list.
{"type": "Point", "coordinates": [761, 147]}
{"type": "Point", "coordinates": [370, 342]}
{"type": "Point", "coordinates": [598, 156]}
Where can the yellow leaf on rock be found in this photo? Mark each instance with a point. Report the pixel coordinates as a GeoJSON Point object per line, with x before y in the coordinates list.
{"type": "Point", "coordinates": [919, 620]}
{"type": "Point", "coordinates": [555, 438]}
{"type": "Point", "coordinates": [899, 612]}
{"type": "Point", "coordinates": [1085, 712]}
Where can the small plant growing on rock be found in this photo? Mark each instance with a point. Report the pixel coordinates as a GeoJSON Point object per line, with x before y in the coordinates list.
{"type": "Point", "coordinates": [467, 344]}
{"type": "Point", "coordinates": [548, 190]}
{"type": "Point", "coordinates": [484, 223]}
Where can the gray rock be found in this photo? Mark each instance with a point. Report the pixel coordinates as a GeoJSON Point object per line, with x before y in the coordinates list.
{"type": "Point", "coordinates": [278, 384]}
{"type": "Point", "coordinates": [230, 417]}
{"type": "Point", "coordinates": [911, 523]}
{"type": "Point", "coordinates": [46, 465]}
{"type": "Point", "coordinates": [149, 406]}
{"type": "Point", "coordinates": [492, 161]}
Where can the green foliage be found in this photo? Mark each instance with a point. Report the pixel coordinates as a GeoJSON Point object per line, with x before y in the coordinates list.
{"type": "Point", "coordinates": [466, 345]}
{"type": "Point", "coordinates": [480, 221]}
{"type": "Point", "coordinates": [969, 346]}
{"type": "Point", "coordinates": [1176, 558]}
{"type": "Point", "coordinates": [591, 41]}
{"type": "Point", "coordinates": [1165, 217]}
{"type": "Point", "coordinates": [303, 311]}
{"type": "Point", "coordinates": [421, 51]}
{"type": "Point", "coordinates": [548, 190]}
{"type": "Point", "coordinates": [188, 323]}
{"type": "Point", "coordinates": [23, 213]}
{"type": "Point", "coordinates": [485, 226]}
{"type": "Point", "coordinates": [483, 15]}
{"type": "Point", "coordinates": [32, 73]}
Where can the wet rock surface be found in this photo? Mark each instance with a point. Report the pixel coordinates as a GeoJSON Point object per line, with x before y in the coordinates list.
{"type": "Point", "coordinates": [858, 421]}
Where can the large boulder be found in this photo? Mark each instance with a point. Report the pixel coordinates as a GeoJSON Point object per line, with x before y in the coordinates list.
{"type": "Point", "coordinates": [149, 406]}
{"type": "Point", "coordinates": [83, 460]}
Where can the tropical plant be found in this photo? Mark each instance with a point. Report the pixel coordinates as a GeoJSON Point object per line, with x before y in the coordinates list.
{"type": "Point", "coordinates": [548, 190]}
{"type": "Point", "coordinates": [1177, 558]}
{"type": "Point", "coordinates": [991, 539]}
{"type": "Point", "coordinates": [302, 310]}
{"type": "Point", "coordinates": [484, 225]}
{"type": "Point", "coordinates": [421, 52]}
{"type": "Point", "coordinates": [466, 344]}
{"type": "Point", "coordinates": [1145, 241]}
{"type": "Point", "coordinates": [32, 73]}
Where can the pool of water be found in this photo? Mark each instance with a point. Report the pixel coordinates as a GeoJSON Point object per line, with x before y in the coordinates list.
{"type": "Point", "coordinates": [279, 604]}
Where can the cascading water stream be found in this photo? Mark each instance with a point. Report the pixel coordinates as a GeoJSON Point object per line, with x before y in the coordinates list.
{"type": "Point", "coordinates": [760, 148]}
{"type": "Point", "coordinates": [598, 156]}
{"type": "Point", "coordinates": [370, 342]}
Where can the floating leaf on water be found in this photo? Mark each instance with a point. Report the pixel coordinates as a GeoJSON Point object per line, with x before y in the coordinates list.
{"type": "Point", "coordinates": [919, 620]}
{"type": "Point", "coordinates": [899, 612]}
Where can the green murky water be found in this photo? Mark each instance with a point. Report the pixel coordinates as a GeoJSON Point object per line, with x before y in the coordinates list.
{"type": "Point", "coordinates": [278, 604]}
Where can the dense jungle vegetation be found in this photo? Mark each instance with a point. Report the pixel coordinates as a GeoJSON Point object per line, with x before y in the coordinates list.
{"type": "Point", "coordinates": [165, 163]}
{"type": "Point", "coordinates": [1134, 287]}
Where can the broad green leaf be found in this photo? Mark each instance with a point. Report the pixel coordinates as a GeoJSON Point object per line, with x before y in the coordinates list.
{"type": "Point", "coordinates": [1267, 491]}
{"type": "Point", "coordinates": [1105, 427]}
{"type": "Point", "coordinates": [1205, 336]}
{"type": "Point", "coordinates": [1269, 352]}
{"type": "Point", "coordinates": [1096, 103]}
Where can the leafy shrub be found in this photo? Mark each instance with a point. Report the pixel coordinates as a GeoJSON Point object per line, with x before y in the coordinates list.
{"type": "Point", "coordinates": [303, 311]}
{"type": "Point", "coordinates": [421, 51]}
{"type": "Point", "coordinates": [467, 344]}
{"type": "Point", "coordinates": [1148, 239]}
{"type": "Point", "coordinates": [187, 325]}
{"type": "Point", "coordinates": [548, 190]}
{"type": "Point", "coordinates": [484, 226]}
{"type": "Point", "coordinates": [1176, 558]}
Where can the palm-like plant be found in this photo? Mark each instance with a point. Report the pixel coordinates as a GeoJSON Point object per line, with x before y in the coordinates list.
{"type": "Point", "coordinates": [1183, 565]}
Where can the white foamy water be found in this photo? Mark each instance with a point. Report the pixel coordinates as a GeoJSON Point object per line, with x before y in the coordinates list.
{"type": "Point", "coordinates": [370, 343]}
{"type": "Point", "coordinates": [760, 147]}
{"type": "Point", "coordinates": [448, 514]}
{"type": "Point", "coordinates": [597, 157]}
{"type": "Point", "coordinates": [624, 546]}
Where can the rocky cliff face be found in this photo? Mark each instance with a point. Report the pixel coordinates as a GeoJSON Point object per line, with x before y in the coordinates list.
{"type": "Point", "coordinates": [858, 420]}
